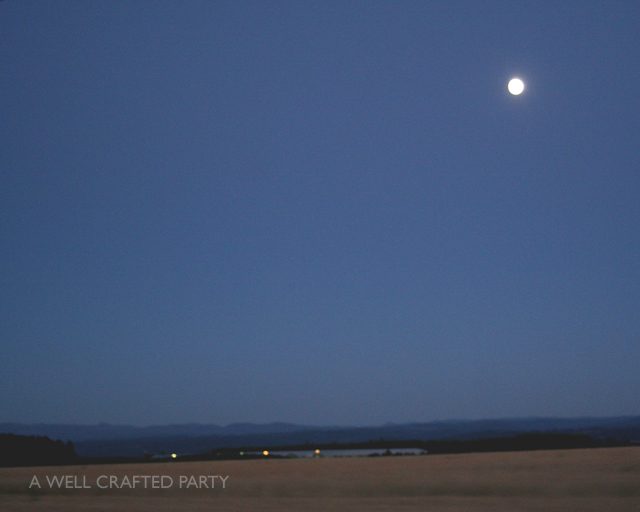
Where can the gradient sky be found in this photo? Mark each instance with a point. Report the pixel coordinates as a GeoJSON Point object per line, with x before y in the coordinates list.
{"type": "Point", "coordinates": [318, 212]}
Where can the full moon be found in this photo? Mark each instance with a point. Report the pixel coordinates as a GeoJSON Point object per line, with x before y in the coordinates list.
{"type": "Point", "coordinates": [515, 86]}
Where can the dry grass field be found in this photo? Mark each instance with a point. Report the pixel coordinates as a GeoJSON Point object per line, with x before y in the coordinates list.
{"type": "Point", "coordinates": [602, 480]}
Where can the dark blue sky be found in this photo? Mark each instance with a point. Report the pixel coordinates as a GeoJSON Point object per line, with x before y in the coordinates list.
{"type": "Point", "coordinates": [319, 212]}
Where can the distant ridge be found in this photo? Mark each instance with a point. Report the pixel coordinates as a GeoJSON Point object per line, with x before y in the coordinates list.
{"type": "Point", "coordinates": [107, 431]}
{"type": "Point", "coordinates": [125, 440]}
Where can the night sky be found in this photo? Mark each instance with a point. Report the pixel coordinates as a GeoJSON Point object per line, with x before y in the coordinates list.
{"type": "Point", "coordinates": [318, 212]}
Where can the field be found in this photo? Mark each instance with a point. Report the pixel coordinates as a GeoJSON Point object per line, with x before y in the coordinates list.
{"type": "Point", "coordinates": [562, 480]}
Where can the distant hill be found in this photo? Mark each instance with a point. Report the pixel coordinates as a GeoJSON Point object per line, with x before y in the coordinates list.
{"type": "Point", "coordinates": [106, 431]}
{"type": "Point", "coordinates": [34, 451]}
{"type": "Point", "coordinates": [118, 440]}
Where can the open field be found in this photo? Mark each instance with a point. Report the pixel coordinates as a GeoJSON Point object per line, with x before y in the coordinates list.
{"type": "Point", "coordinates": [563, 480]}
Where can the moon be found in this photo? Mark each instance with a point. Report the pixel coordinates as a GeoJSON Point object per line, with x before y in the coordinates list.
{"type": "Point", "coordinates": [515, 86]}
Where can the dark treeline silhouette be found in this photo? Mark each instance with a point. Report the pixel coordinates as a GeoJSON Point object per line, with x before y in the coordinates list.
{"type": "Point", "coordinates": [522, 442]}
{"type": "Point", "coordinates": [34, 451]}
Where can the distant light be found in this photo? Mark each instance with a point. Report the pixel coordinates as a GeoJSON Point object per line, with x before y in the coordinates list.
{"type": "Point", "coordinates": [174, 456]}
{"type": "Point", "coordinates": [265, 453]}
{"type": "Point", "coordinates": [515, 86]}
{"type": "Point", "coordinates": [317, 452]}
{"type": "Point", "coordinates": [241, 454]}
